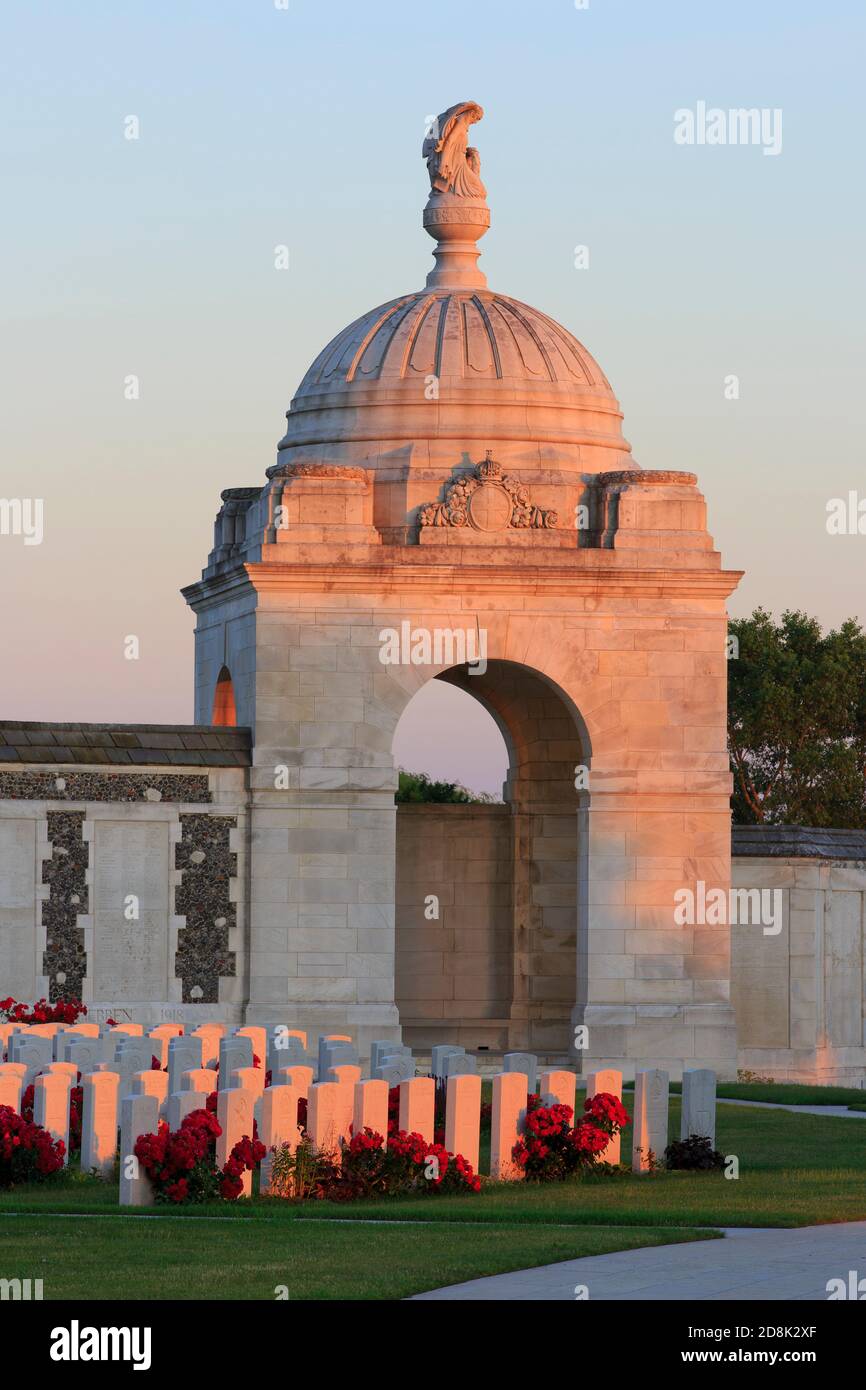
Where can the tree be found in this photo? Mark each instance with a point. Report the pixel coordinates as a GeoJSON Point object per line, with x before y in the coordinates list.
{"type": "Point", "coordinates": [797, 722]}
{"type": "Point", "coordinates": [417, 786]}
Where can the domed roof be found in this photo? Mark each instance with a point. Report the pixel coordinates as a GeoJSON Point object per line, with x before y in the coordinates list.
{"type": "Point", "coordinates": [465, 335]}
{"type": "Point", "coordinates": [485, 362]}
{"type": "Point", "coordinates": [457, 361]}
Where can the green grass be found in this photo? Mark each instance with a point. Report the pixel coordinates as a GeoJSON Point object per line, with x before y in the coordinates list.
{"type": "Point", "coordinates": [781, 1093]}
{"type": "Point", "coordinates": [202, 1258]}
{"type": "Point", "coordinates": [791, 1093]}
{"type": "Point", "coordinates": [795, 1170]}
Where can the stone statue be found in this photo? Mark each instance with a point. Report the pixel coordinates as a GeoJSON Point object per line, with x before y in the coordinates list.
{"type": "Point", "coordinates": [453, 165]}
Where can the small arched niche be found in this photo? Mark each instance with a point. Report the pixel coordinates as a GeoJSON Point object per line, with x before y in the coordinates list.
{"type": "Point", "coordinates": [224, 711]}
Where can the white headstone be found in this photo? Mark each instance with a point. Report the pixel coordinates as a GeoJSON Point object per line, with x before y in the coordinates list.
{"type": "Point", "coordinates": [51, 1105]}
{"type": "Point", "coordinates": [699, 1104]}
{"type": "Point", "coordinates": [506, 1123]}
{"type": "Point", "coordinates": [138, 1115]}
{"type": "Point", "coordinates": [607, 1082]}
{"type": "Point", "coordinates": [99, 1120]}
{"type": "Point", "coordinates": [184, 1054]}
{"type": "Point", "coordinates": [525, 1062]}
{"type": "Point", "coordinates": [650, 1121]}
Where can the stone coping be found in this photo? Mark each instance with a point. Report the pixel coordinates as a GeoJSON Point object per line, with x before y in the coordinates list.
{"type": "Point", "coordinates": [458, 807]}
{"type": "Point", "coordinates": [796, 842]}
{"type": "Point", "coordinates": [183, 745]}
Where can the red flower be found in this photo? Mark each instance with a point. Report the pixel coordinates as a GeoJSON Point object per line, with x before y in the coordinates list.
{"type": "Point", "coordinates": [607, 1111]}
{"type": "Point", "coordinates": [588, 1138]}
{"type": "Point", "coordinates": [27, 1150]}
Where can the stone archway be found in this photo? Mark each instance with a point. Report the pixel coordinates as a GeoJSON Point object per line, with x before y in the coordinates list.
{"type": "Point", "coordinates": [496, 965]}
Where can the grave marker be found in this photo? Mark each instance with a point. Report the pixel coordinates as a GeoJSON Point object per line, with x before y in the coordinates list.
{"type": "Point", "coordinates": [525, 1062]}
{"type": "Point", "coordinates": [463, 1117]}
{"type": "Point", "coordinates": [100, 1096]}
{"type": "Point", "coordinates": [650, 1121]}
{"type": "Point", "coordinates": [235, 1118]}
{"type": "Point", "coordinates": [417, 1103]}
{"type": "Point", "coordinates": [509, 1110]}
{"type": "Point", "coordinates": [609, 1082]}
{"type": "Point", "coordinates": [138, 1115]}
{"type": "Point", "coordinates": [370, 1107]}
{"type": "Point", "coordinates": [51, 1106]}
{"type": "Point", "coordinates": [278, 1126]}
{"type": "Point", "coordinates": [699, 1104]}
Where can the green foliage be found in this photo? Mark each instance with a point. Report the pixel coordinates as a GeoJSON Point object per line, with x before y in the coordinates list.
{"type": "Point", "coordinates": [695, 1154]}
{"type": "Point", "coordinates": [417, 787]}
{"type": "Point", "coordinates": [301, 1172]}
{"type": "Point", "coordinates": [797, 722]}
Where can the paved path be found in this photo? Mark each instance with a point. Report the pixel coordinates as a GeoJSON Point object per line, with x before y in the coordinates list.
{"type": "Point", "coordinates": [747, 1264]}
{"type": "Point", "coordinates": [828, 1111]}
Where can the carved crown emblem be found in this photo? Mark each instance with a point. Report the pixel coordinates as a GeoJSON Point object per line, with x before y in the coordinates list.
{"type": "Point", "coordinates": [487, 501]}
{"type": "Point", "coordinates": [489, 468]}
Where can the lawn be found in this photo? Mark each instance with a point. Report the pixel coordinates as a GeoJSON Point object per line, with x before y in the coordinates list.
{"type": "Point", "coordinates": [794, 1170]}
{"type": "Point", "coordinates": [782, 1093]}
{"type": "Point", "coordinates": [204, 1257]}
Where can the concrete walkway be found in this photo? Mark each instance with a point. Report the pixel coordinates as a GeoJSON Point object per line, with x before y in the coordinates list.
{"type": "Point", "coordinates": [839, 1112]}
{"type": "Point", "coordinates": [747, 1264]}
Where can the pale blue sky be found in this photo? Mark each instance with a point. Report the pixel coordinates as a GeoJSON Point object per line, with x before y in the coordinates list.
{"type": "Point", "coordinates": [262, 126]}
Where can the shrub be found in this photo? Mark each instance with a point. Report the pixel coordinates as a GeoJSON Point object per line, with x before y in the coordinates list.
{"type": "Point", "coordinates": [302, 1173]}
{"type": "Point", "coordinates": [27, 1151]}
{"type": "Point", "coordinates": [182, 1164]}
{"type": "Point", "coordinates": [695, 1154]}
{"type": "Point", "coordinates": [552, 1149]}
{"type": "Point", "coordinates": [368, 1169]}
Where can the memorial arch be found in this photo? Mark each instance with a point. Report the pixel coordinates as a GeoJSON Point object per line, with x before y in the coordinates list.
{"type": "Point", "coordinates": [454, 464]}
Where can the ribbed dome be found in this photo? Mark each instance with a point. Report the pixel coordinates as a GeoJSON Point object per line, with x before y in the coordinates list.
{"type": "Point", "coordinates": [456, 368]}
{"type": "Point", "coordinates": [469, 337]}
{"type": "Point", "coordinates": [502, 370]}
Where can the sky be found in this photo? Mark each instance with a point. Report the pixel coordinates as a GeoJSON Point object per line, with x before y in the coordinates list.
{"type": "Point", "coordinates": [262, 125]}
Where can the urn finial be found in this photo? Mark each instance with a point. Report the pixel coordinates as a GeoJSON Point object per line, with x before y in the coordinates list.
{"type": "Point", "coordinates": [456, 214]}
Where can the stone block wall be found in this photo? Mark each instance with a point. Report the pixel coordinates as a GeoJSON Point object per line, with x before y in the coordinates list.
{"type": "Point", "coordinates": [800, 994]}
{"type": "Point", "coordinates": [454, 969]}
{"type": "Point", "coordinates": [122, 869]}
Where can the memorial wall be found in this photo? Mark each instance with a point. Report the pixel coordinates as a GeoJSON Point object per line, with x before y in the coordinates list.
{"type": "Point", "coordinates": [124, 882]}
{"type": "Point", "coordinates": [121, 874]}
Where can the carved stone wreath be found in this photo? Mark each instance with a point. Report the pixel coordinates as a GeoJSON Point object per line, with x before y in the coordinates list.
{"type": "Point", "coordinates": [487, 501]}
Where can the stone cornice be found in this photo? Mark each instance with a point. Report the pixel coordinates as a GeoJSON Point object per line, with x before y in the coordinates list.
{"type": "Point", "coordinates": [589, 580]}
{"type": "Point", "coordinates": [413, 572]}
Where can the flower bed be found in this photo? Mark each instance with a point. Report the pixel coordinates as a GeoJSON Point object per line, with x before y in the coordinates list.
{"type": "Point", "coordinates": [366, 1168]}
{"type": "Point", "coordinates": [41, 1012]}
{"type": "Point", "coordinates": [27, 1151]}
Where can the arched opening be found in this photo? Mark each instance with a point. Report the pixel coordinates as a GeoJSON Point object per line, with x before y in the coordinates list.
{"type": "Point", "coordinates": [224, 712]}
{"type": "Point", "coordinates": [448, 736]}
{"type": "Point", "coordinates": [489, 896]}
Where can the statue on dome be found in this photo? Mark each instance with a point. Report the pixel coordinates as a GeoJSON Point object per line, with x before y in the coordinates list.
{"type": "Point", "coordinates": [453, 164]}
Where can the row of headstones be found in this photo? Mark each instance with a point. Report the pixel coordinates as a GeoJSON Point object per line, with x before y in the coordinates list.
{"type": "Point", "coordinates": [333, 1098]}
{"type": "Point", "coordinates": [127, 1049]}
{"type": "Point", "coordinates": [337, 1108]}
